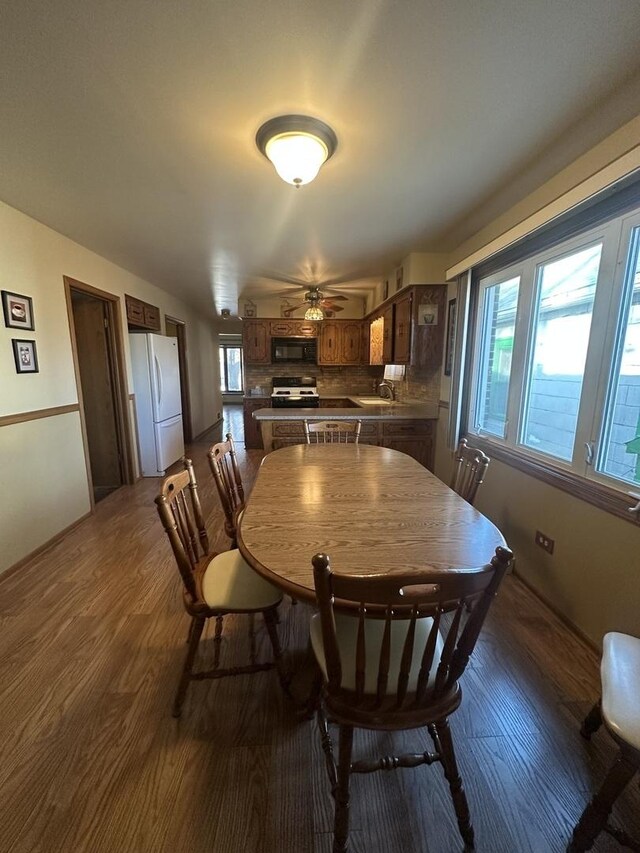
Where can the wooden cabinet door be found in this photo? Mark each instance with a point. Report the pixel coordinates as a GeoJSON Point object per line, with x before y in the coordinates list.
{"type": "Point", "coordinates": [351, 342]}
{"type": "Point", "coordinates": [252, 434]}
{"type": "Point", "coordinates": [387, 336]}
{"type": "Point", "coordinates": [304, 329]}
{"type": "Point", "coordinates": [135, 310]}
{"type": "Point", "coordinates": [329, 343]}
{"type": "Point", "coordinates": [152, 317]}
{"type": "Point", "coordinates": [419, 447]}
{"type": "Point", "coordinates": [256, 342]}
{"type": "Point", "coordinates": [402, 331]}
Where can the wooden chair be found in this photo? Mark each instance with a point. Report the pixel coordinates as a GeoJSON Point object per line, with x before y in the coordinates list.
{"type": "Point", "coordinates": [468, 474]}
{"type": "Point", "coordinates": [224, 467]}
{"type": "Point", "coordinates": [214, 584]}
{"type": "Point", "coordinates": [619, 710]}
{"type": "Point", "coordinates": [394, 664]}
{"type": "Point", "coordinates": [332, 432]}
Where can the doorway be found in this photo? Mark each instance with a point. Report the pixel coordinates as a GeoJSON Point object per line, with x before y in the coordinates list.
{"type": "Point", "coordinates": [177, 329]}
{"type": "Point", "coordinates": [98, 361]}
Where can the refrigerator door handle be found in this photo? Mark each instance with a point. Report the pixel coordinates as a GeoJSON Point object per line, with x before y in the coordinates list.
{"type": "Point", "coordinates": [158, 379]}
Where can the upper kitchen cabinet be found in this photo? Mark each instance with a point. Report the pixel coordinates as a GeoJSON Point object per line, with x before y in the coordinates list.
{"type": "Point", "coordinates": [412, 328]}
{"type": "Point", "coordinates": [256, 341]}
{"type": "Point", "coordinates": [342, 342]}
{"type": "Point", "coordinates": [402, 329]}
{"type": "Point", "coordinates": [141, 315]}
{"type": "Point", "coordinates": [293, 329]}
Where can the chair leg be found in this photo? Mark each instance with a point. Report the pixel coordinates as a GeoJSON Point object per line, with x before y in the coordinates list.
{"type": "Point", "coordinates": [594, 817]}
{"type": "Point", "coordinates": [217, 640]}
{"type": "Point", "coordinates": [341, 823]}
{"type": "Point", "coordinates": [195, 632]}
{"type": "Point", "coordinates": [592, 721]}
{"type": "Point", "coordinates": [270, 617]}
{"type": "Point", "coordinates": [327, 748]}
{"type": "Point", "coordinates": [452, 776]}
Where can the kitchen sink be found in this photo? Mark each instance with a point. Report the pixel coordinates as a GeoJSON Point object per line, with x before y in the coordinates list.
{"type": "Point", "coordinates": [373, 401]}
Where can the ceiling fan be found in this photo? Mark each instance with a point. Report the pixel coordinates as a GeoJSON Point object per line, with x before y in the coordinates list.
{"type": "Point", "coordinates": [316, 298]}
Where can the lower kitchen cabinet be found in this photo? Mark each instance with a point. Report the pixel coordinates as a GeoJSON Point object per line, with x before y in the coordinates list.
{"type": "Point", "coordinates": [252, 434]}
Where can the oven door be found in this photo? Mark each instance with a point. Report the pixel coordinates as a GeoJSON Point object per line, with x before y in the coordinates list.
{"type": "Point", "coordinates": [290, 402]}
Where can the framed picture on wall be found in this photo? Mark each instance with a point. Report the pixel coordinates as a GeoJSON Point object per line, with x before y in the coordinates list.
{"type": "Point", "coordinates": [450, 339]}
{"type": "Point", "coordinates": [25, 356]}
{"type": "Point", "coordinates": [399, 279]}
{"type": "Point", "coordinates": [18, 311]}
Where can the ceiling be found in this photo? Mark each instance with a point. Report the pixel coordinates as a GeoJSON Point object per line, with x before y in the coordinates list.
{"type": "Point", "coordinates": [129, 126]}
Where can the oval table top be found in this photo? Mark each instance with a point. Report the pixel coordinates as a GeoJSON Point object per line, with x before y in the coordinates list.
{"type": "Point", "coordinates": [371, 509]}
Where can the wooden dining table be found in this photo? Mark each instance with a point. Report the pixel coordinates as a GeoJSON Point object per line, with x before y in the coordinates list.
{"type": "Point", "coordinates": [371, 509]}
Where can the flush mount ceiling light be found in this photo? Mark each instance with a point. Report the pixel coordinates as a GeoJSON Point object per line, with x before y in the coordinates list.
{"type": "Point", "coordinates": [297, 146]}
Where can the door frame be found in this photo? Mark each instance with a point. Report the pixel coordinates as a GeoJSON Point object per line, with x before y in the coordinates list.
{"type": "Point", "coordinates": [121, 395]}
{"type": "Point", "coordinates": [185, 395]}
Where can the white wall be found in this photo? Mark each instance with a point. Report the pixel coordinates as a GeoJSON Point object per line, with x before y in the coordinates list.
{"type": "Point", "coordinates": [43, 478]}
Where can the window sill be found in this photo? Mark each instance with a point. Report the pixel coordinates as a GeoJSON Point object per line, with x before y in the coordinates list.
{"type": "Point", "coordinates": [604, 497]}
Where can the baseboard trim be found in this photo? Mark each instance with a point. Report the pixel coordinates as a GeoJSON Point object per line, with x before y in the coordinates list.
{"type": "Point", "coordinates": [42, 548]}
{"type": "Point", "coordinates": [205, 431]}
{"type": "Point", "coordinates": [557, 612]}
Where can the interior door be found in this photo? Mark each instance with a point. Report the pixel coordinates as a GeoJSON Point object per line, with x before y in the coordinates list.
{"type": "Point", "coordinates": [96, 378]}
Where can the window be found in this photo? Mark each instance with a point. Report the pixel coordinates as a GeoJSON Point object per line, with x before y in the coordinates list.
{"type": "Point", "coordinates": [231, 372]}
{"type": "Point", "coordinates": [555, 374]}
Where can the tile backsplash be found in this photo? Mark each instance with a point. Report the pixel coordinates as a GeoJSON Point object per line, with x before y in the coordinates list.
{"type": "Point", "coordinates": [353, 380]}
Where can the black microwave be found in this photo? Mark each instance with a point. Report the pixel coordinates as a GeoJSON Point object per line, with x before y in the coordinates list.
{"type": "Point", "coordinates": [302, 350]}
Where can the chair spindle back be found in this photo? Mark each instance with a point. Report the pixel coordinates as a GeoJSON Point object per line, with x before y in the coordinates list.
{"type": "Point", "coordinates": [332, 432]}
{"type": "Point", "coordinates": [465, 595]}
{"type": "Point", "coordinates": [181, 515]}
{"type": "Point", "coordinates": [224, 467]}
{"type": "Point", "coordinates": [470, 467]}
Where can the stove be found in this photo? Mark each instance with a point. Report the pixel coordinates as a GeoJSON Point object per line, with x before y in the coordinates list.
{"type": "Point", "coordinates": [294, 392]}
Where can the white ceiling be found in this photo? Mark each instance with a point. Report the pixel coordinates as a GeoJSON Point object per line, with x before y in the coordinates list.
{"type": "Point", "coordinates": [129, 126]}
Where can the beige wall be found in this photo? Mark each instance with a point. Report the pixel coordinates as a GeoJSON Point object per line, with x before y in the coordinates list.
{"type": "Point", "coordinates": [44, 481]}
{"type": "Point", "coordinates": [593, 576]}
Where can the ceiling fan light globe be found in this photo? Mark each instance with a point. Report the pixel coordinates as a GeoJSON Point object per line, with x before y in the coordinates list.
{"type": "Point", "coordinates": [314, 313]}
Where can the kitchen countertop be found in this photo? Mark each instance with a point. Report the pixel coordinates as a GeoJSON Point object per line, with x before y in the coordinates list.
{"type": "Point", "coordinates": [388, 412]}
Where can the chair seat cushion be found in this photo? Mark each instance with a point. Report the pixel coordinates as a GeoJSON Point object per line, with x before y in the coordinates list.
{"type": "Point", "coordinates": [346, 635]}
{"type": "Point", "coordinates": [229, 583]}
{"type": "Point", "coordinates": [620, 671]}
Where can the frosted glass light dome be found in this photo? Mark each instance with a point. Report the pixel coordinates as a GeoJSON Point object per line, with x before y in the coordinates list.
{"type": "Point", "coordinates": [314, 313]}
{"type": "Point", "coordinates": [297, 146]}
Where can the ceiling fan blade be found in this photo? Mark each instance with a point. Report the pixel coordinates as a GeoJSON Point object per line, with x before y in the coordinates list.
{"type": "Point", "coordinates": [296, 306]}
{"type": "Point", "coordinates": [329, 306]}
{"type": "Point", "coordinates": [335, 296]}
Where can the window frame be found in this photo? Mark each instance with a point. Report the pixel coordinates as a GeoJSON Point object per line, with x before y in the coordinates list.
{"type": "Point", "coordinates": [223, 347]}
{"type": "Point", "coordinates": [578, 476]}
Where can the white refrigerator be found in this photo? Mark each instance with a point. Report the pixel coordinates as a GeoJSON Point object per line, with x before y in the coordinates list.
{"type": "Point", "coordinates": [156, 384]}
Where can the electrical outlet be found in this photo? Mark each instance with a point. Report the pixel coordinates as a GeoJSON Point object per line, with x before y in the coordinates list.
{"type": "Point", "coordinates": [545, 542]}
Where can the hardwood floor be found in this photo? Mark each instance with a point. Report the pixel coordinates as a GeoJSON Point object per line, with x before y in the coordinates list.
{"type": "Point", "coordinates": [92, 634]}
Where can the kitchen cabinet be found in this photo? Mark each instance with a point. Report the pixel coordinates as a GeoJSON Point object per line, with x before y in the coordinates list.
{"type": "Point", "coordinates": [343, 342]}
{"type": "Point", "coordinates": [256, 341]}
{"type": "Point", "coordinates": [407, 336]}
{"type": "Point", "coordinates": [415, 438]}
{"type": "Point", "coordinates": [142, 315]}
{"type": "Point", "coordinates": [293, 329]}
{"type": "Point", "coordinates": [252, 434]}
{"type": "Point", "coordinates": [387, 335]}
{"type": "Point", "coordinates": [402, 329]}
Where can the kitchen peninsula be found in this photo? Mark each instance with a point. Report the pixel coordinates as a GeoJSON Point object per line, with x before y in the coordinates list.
{"type": "Point", "coordinates": [407, 427]}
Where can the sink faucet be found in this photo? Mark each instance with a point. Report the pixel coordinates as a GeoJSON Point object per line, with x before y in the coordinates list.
{"type": "Point", "coordinates": [388, 387]}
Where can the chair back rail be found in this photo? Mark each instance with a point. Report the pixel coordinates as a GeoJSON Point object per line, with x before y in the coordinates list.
{"type": "Point", "coordinates": [465, 595]}
{"type": "Point", "coordinates": [470, 467]}
{"type": "Point", "coordinates": [332, 432]}
{"type": "Point", "coordinates": [226, 474]}
{"type": "Point", "coordinates": [181, 515]}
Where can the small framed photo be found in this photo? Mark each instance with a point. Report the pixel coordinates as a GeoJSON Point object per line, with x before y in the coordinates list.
{"type": "Point", "coordinates": [18, 311]}
{"type": "Point", "coordinates": [250, 309]}
{"type": "Point", "coordinates": [399, 279]}
{"type": "Point", "coordinates": [25, 356]}
{"type": "Point", "coordinates": [385, 290]}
